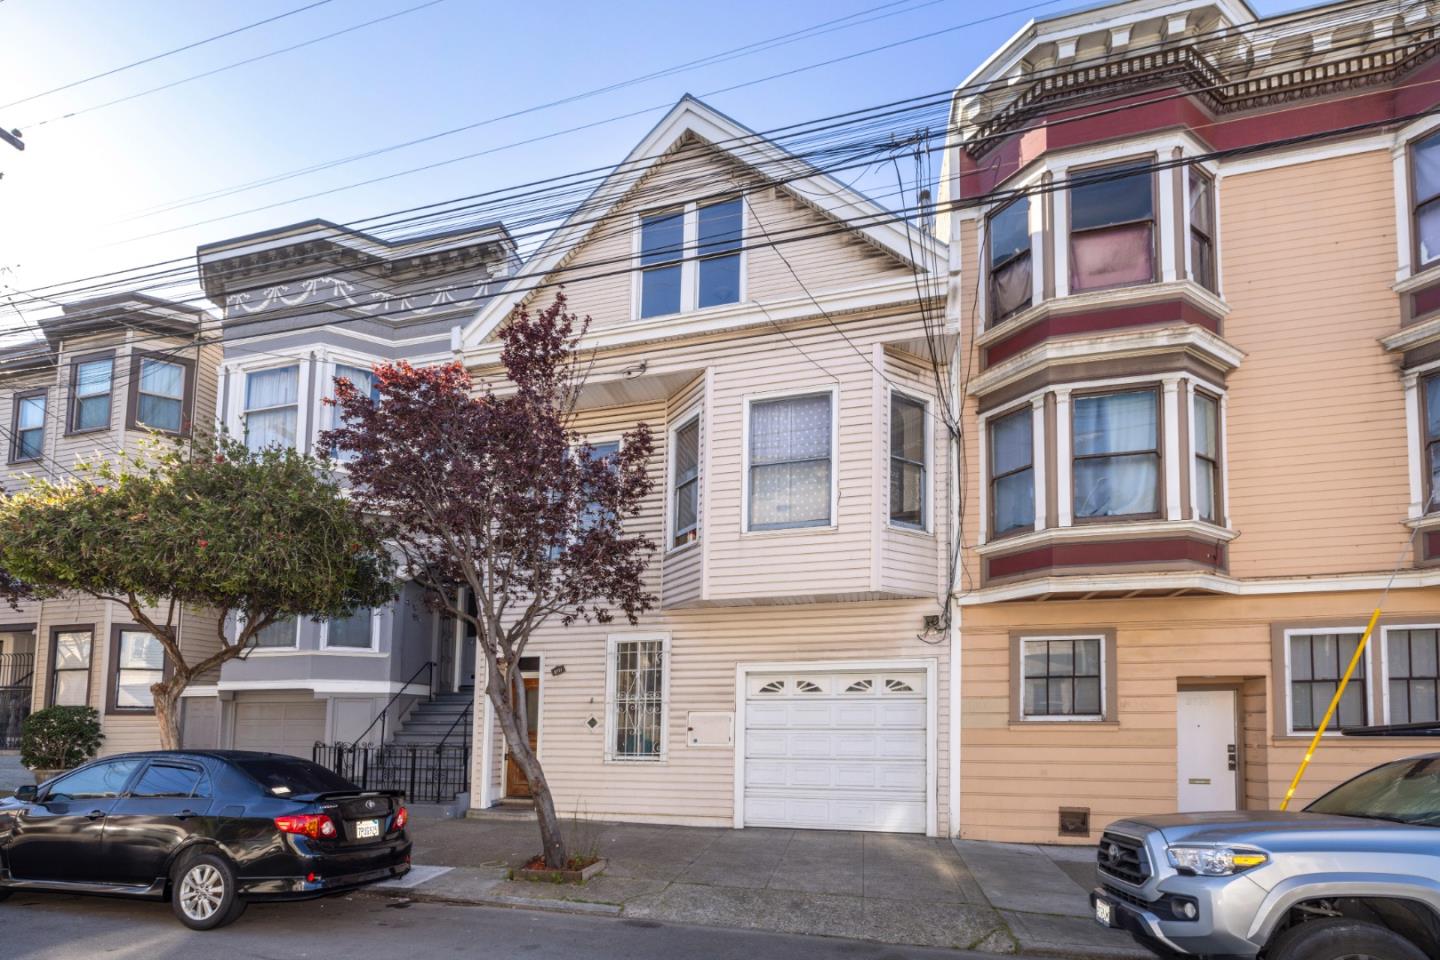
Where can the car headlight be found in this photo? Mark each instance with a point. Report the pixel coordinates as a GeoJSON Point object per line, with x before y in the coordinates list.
{"type": "Point", "coordinates": [1214, 861]}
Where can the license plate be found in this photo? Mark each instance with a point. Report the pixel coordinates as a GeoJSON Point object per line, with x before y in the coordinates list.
{"type": "Point", "coordinates": [1104, 913]}
{"type": "Point", "coordinates": [365, 829]}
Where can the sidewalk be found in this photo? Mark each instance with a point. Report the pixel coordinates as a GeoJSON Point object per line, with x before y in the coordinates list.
{"type": "Point", "coordinates": [884, 887]}
{"type": "Point", "coordinates": [12, 773]}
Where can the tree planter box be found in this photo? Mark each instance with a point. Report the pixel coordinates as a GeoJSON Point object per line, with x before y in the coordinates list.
{"type": "Point", "coordinates": [543, 875]}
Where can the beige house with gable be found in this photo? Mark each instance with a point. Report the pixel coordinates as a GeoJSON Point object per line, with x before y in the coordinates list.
{"type": "Point", "coordinates": [797, 668]}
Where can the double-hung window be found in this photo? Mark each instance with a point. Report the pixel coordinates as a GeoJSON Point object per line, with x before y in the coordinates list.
{"type": "Point", "coordinates": [637, 720]}
{"type": "Point", "coordinates": [1062, 677]}
{"type": "Point", "coordinates": [272, 407]}
{"type": "Point", "coordinates": [363, 380]}
{"type": "Point", "coordinates": [28, 439]}
{"type": "Point", "coordinates": [1315, 663]}
{"type": "Point", "coordinates": [1206, 441]}
{"type": "Point", "coordinates": [139, 664]}
{"type": "Point", "coordinates": [91, 381]}
{"type": "Point", "coordinates": [662, 248]}
{"type": "Point", "coordinates": [160, 394]}
{"type": "Point", "coordinates": [908, 461]}
{"type": "Point", "coordinates": [1412, 668]}
{"type": "Point", "coordinates": [1425, 186]}
{"type": "Point", "coordinates": [603, 451]}
{"type": "Point", "coordinates": [351, 633]}
{"type": "Point", "coordinates": [1112, 227]}
{"type": "Point", "coordinates": [790, 470]}
{"type": "Point", "coordinates": [720, 232]}
{"type": "Point", "coordinates": [1012, 472]}
{"type": "Point", "coordinates": [685, 509]}
{"type": "Point", "coordinates": [1431, 417]}
{"type": "Point", "coordinates": [278, 634]}
{"type": "Point", "coordinates": [70, 675]}
{"type": "Point", "coordinates": [1010, 271]}
{"type": "Point", "coordinates": [1116, 454]}
{"type": "Point", "coordinates": [1202, 229]}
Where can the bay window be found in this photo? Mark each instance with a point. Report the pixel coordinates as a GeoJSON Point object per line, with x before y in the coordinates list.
{"type": "Point", "coordinates": [278, 634]}
{"type": "Point", "coordinates": [1010, 278]}
{"type": "Point", "coordinates": [137, 664]}
{"type": "Point", "coordinates": [685, 493]}
{"type": "Point", "coordinates": [1012, 472]}
{"type": "Point", "coordinates": [272, 407]}
{"type": "Point", "coordinates": [908, 461]}
{"type": "Point", "coordinates": [28, 436]}
{"type": "Point", "coordinates": [1116, 470]}
{"type": "Point", "coordinates": [1432, 441]}
{"type": "Point", "coordinates": [350, 633]}
{"type": "Point", "coordinates": [1205, 438]}
{"type": "Point", "coordinates": [1425, 190]}
{"type": "Point", "coordinates": [790, 472]}
{"type": "Point", "coordinates": [91, 380]}
{"type": "Point", "coordinates": [1202, 229]}
{"type": "Point", "coordinates": [363, 380]}
{"type": "Point", "coordinates": [1112, 227]}
{"type": "Point", "coordinates": [1314, 664]}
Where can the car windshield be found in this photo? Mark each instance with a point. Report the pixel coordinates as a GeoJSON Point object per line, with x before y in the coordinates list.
{"type": "Point", "coordinates": [285, 777]}
{"type": "Point", "coordinates": [1406, 791]}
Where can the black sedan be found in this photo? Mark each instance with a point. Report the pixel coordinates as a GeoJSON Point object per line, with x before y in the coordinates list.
{"type": "Point", "coordinates": [209, 830]}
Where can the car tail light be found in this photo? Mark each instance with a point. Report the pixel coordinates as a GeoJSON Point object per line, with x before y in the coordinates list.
{"type": "Point", "coordinates": [402, 817]}
{"type": "Point", "coordinates": [316, 826]}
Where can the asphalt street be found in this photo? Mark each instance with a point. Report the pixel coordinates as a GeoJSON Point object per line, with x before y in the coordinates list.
{"type": "Point", "coordinates": [50, 927]}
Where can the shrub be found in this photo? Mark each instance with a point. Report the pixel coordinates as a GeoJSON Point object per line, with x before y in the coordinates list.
{"type": "Point", "coordinates": [58, 738]}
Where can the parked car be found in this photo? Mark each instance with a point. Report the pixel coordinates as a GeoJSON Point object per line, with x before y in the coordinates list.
{"type": "Point", "coordinates": [1356, 874]}
{"type": "Point", "coordinates": [208, 830]}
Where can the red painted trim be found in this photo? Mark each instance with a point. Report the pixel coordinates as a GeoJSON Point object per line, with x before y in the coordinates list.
{"type": "Point", "coordinates": [1041, 559]}
{"type": "Point", "coordinates": [1432, 545]}
{"type": "Point", "coordinates": [1425, 300]}
{"type": "Point", "coordinates": [1161, 313]}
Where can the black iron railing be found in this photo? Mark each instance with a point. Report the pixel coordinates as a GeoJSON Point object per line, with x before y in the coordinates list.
{"type": "Point", "coordinates": [16, 669]}
{"type": "Point", "coordinates": [459, 724]}
{"type": "Point", "coordinates": [424, 773]}
{"type": "Point", "coordinates": [429, 670]}
{"type": "Point", "coordinates": [16, 675]}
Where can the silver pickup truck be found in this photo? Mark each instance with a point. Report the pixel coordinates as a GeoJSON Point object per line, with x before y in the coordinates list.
{"type": "Point", "coordinates": [1355, 876]}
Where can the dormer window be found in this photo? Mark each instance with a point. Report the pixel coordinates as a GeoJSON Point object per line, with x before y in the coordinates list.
{"type": "Point", "coordinates": [1112, 227]}
{"type": "Point", "coordinates": [1425, 173]}
{"type": "Point", "coordinates": [1010, 269]}
{"type": "Point", "coordinates": [672, 282]}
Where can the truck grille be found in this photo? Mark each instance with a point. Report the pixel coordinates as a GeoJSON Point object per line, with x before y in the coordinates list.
{"type": "Point", "coordinates": [1123, 858]}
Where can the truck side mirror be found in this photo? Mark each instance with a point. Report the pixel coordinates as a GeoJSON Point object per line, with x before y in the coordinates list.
{"type": "Point", "coordinates": [26, 793]}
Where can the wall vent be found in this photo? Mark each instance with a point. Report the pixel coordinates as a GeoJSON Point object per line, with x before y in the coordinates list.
{"type": "Point", "coordinates": [1074, 821]}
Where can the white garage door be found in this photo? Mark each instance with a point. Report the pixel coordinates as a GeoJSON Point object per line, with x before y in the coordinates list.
{"type": "Point", "coordinates": [279, 726]}
{"type": "Point", "coordinates": [838, 751]}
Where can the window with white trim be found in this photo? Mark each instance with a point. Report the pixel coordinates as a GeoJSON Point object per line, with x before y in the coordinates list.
{"type": "Point", "coordinates": [279, 634]}
{"type": "Point", "coordinates": [28, 442]}
{"type": "Point", "coordinates": [685, 483]}
{"type": "Point", "coordinates": [70, 680]}
{"type": "Point", "coordinates": [1425, 184]}
{"type": "Point", "coordinates": [1012, 472]}
{"type": "Point", "coordinates": [1412, 674]}
{"type": "Point", "coordinates": [672, 281]}
{"type": "Point", "coordinates": [1112, 227]}
{"type": "Point", "coordinates": [791, 469]}
{"type": "Point", "coordinates": [1201, 191]}
{"type": "Point", "coordinates": [1205, 438]}
{"type": "Point", "coordinates": [637, 718]}
{"type": "Point", "coordinates": [354, 632]}
{"type": "Point", "coordinates": [1009, 270]}
{"type": "Point", "coordinates": [363, 380]}
{"type": "Point", "coordinates": [1314, 664]}
{"type": "Point", "coordinates": [272, 407]}
{"type": "Point", "coordinates": [1116, 453]}
{"type": "Point", "coordinates": [909, 461]}
{"type": "Point", "coordinates": [1062, 677]}
{"type": "Point", "coordinates": [139, 665]}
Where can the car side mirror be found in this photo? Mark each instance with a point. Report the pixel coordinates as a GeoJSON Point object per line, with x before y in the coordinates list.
{"type": "Point", "coordinates": [27, 792]}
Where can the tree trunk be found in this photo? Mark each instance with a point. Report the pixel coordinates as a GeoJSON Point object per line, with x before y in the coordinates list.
{"type": "Point", "coordinates": [167, 710]}
{"type": "Point", "coordinates": [552, 841]}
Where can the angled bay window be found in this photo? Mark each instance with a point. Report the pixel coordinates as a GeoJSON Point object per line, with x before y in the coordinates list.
{"type": "Point", "coordinates": [363, 379]}
{"type": "Point", "coordinates": [1432, 442]}
{"type": "Point", "coordinates": [91, 380]}
{"type": "Point", "coordinates": [662, 242]}
{"type": "Point", "coordinates": [1425, 197]}
{"type": "Point", "coordinates": [1009, 262]}
{"type": "Point", "coordinates": [1112, 227]}
{"type": "Point", "coordinates": [685, 495]}
{"type": "Point", "coordinates": [1202, 229]}
{"type": "Point", "coordinates": [272, 407]}
{"type": "Point", "coordinates": [1206, 441]}
{"type": "Point", "coordinates": [354, 632]}
{"type": "Point", "coordinates": [1314, 664]}
{"type": "Point", "coordinates": [279, 634]}
{"type": "Point", "coordinates": [1116, 454]}
{"type": "Point", "coordinates": [908, 461]}
{"type": "Point", "coordinates": [27, 440]}
{"type": "Point", "coordinates": [1012, 473]}
{"type": "Point", "coordinates": [790, 469]}
{"type": "Point", "coordinates": [160, 393]}
{"type": "Point", "coordinates": [719, 252]}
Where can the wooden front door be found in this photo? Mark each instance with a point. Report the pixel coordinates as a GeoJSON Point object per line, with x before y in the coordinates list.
{"type": "Point", "coordinates": [515, 783]}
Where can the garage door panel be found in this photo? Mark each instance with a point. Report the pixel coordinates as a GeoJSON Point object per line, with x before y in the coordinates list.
{"type": "Point", "coordinates": [290, 726]}
{"type": "Point", "coordinates": [890, 816]}
{"type": "Point", "coordinates": [767, 743]}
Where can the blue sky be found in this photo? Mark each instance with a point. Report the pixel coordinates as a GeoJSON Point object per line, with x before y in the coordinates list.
{"type": "Point", "coordinates": [65, 202]}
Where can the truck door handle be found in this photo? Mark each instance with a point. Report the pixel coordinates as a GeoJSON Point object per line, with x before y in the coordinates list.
{"type": "Point", "coordinates": [186, 815]}
{"type": "Point", "coordinates": [95, 815]}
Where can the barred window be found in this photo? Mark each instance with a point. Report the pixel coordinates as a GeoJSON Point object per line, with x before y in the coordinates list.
{"type": "Point", "coordinates": [639, 702]}
{"type": "Point", "coordinates": [1317, 661]}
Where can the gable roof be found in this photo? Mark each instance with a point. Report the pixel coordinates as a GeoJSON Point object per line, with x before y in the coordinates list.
{"type": "Point", "coordinates": [689, 118]}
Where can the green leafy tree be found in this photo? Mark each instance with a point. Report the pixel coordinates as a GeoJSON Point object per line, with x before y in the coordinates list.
{"type": "Point", "coordinates": [257, 537]}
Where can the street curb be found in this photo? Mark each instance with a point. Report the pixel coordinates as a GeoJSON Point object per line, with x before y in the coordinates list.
{"type": "Point", "coordinates": [513, 903]}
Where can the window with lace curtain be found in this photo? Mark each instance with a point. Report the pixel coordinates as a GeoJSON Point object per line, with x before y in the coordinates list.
{"type": "Point", "coordinates": [1112, 227]}
{"type": "Point", "coordinates": [790, 462]}
{"type": "Point", "coordinates": [1009, 268]}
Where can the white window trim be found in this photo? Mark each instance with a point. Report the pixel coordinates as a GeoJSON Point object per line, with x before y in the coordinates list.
{"type": "Point", "coordinates": [689, 257]}
{"type": "Point", "coordinates": [1384, 679]}
{"type": "Point", "coordinates": [327, 362]}
{"type": "Point", "coordinates": [1036, 403]}
{"type": "Point", "coordinates": [612, 643]}
{"type": "Point", "coordinates": [1066, 717]}
{"type": "Point", "coordinates": [671, 527]}
{"type": "Point", "coordinates": [927, 488]}
{"type": "Point", "coordinates": [254, 651]}
{"type": "Point", "coordinates": [240, 374]}
{"type": "Point", "coordinates": [834, 391]}
{"type": "Point", "coordinates": [374, 637]}
{"type": "Point", "coordinates": [1404, 223]}
{"type": "Point", "coordinates": [1038, 252]}
{"type": "Point", "coordinates": [1333, 730]}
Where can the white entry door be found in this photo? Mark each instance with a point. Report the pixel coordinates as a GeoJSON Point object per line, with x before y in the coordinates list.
{"type": "Point", "coordinates": [836, 751]}
{"type": "Point", "coordinates": [1206, 747]}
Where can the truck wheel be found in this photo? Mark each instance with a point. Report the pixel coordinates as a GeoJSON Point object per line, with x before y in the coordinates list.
{"type": "Point", "coordinates": [1338, 938]}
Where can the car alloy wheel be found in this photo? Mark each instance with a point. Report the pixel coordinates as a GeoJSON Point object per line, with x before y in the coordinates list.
{"type": "Point", "coordinates": [201, 892]}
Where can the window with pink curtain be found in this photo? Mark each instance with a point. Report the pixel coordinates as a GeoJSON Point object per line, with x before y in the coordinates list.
{"type": "Point", "coordinates": [1112, 227]}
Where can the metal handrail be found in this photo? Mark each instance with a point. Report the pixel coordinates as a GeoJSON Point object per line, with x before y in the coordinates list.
{"type": "Point", "coordinates": [430, 686]}
{"type": "Point", "coordinates": [464, 715]}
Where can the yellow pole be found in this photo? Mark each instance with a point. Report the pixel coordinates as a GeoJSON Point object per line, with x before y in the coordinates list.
{"type": "Point", "coordinates": [1334, 705]}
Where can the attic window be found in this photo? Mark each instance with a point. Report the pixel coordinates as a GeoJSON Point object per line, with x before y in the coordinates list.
{"type": "Point", "coordinates": [690, 257]}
